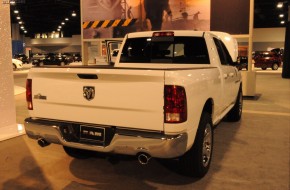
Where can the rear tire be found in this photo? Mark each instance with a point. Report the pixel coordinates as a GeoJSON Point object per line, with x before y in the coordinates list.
{"type": "Point", "coordinates": [14, 67]}
{"type": "Point", "coordinates": [196, 161]}
{"type": "Point", "coordinates": [77, 153]}
{"type": "Point", "coordinates": [275, 66]}
{"type": "Point", "coordinates": [236, 112]}
{"type": "Point", "coordinates": [264, 67]}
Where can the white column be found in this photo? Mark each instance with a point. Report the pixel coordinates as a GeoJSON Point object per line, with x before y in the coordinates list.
{"type": "Point", "coordinates": [249, 77]}
{"type": "Point", "coordinates": [8, 126]}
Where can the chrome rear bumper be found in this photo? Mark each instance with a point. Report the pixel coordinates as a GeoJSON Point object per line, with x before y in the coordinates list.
{"type": "Point", "coordinates": [122, 140]}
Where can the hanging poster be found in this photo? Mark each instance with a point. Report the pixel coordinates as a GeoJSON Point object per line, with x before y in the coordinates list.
{"type": "Point", "coordinates": [115, 18]}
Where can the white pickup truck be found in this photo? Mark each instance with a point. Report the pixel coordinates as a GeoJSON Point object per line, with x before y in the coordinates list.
{"type": "Point", "coordinates": [161, 99]}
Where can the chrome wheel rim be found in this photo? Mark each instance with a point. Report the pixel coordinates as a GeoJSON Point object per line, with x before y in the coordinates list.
{"type": "Point", "coordinates": [207, 145]}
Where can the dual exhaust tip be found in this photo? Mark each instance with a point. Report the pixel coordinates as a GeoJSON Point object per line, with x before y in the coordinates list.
{"type": "Point", "coordinates": [143, 158]}
{"type": "Point", "coordinates": [43, 142]}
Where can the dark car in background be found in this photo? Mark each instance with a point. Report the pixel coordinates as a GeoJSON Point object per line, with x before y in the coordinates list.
{"type": "Point", "coordinates": [279, 52]}
{"type": "Point", "coordinates": [242, 62]}
{"type": "Point", "coordinates": [267, 59]}
{"type": "Point", "coordinates": [54, 59]}
{"type": "Point", "coordinates": [67, 58]}
{"type": "Point", "coordinates": [77, 57]}
{"type": "Point", "coordinates": [22, 57]}
{"type": "Point", "coordinates": [37, 58]}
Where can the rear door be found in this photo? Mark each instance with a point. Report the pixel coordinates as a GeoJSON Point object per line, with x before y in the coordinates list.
{"type": "Point", "coordinates": [228, 73]}
{"type": "Point", "coordinates": [116, 97]}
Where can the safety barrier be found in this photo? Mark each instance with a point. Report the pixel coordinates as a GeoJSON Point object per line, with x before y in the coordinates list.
{"type": "Point", "coordinates": [109, 23]}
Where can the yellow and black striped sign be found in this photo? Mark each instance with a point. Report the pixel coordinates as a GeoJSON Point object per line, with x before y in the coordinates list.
{"type": "Point", "coordinates": [108, 23]}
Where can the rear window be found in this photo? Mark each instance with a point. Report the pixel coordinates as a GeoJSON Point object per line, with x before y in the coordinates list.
{"type": "Point", "coordinates": [183, 50]}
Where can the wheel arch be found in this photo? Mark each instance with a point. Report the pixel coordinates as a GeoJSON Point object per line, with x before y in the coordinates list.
{"type": "Point", "coordinates": [14, 66]}
{"type": "Point", "coordinates": [208, 106]}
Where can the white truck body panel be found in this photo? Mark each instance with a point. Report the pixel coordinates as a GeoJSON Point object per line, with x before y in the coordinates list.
{"type": "Point", "coordinates": [122, 97]}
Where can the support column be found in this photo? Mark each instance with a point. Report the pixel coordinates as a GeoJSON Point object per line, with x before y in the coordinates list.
{"type": "Point", "coordinates": [249, 77]}
{"type": "Point", "coordinates": [8, 126]}
{"type": "Point", "coordinates": [286, 62]}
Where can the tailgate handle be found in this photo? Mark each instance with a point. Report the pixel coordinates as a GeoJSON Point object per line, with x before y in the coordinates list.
{"type": "Point", "coordinates": [88, 76]}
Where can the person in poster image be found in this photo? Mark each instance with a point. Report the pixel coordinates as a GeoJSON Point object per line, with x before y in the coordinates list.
{"type": "Point", "coordinates": [101, 10]}
{"type": "Point", "coordinates": [154, 12]}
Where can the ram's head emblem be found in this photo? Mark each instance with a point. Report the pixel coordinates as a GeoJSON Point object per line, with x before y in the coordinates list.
{"type": "Point", "coordinates": [89, 92]}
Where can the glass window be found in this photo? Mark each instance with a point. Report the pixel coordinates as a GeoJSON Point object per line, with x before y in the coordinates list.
{"type": "Point", "coordinates": [183, 50]}
{"type": "Point", "coordinates": [223, 52]}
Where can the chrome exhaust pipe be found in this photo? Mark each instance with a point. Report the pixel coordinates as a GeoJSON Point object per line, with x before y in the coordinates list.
{"type": "Point", "coordinates": [144, 158]}
{"type": "Point", "coordinates": [43, 143]}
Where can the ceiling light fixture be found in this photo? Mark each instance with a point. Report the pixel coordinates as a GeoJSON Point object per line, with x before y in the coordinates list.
{"type": "Point", "coordinates": [22, 27]}
{"type": "Point", "coordinates": [62, 23]}
{"type": "Point", "coordinates": [73, 14]}
{"type": "Point", "coordinates": [66, 19]}
{"type": "Point", "coordinates": [58, 29]}
{"type": "Point", "coordinates": [16, 11]}
{"type": "Point", "coordinates": [281, 15]}
{"type": "Point", "coordinates": [12, 2]}
{"type": "Point", "coordinates": [280, 5]}
{"type": "Point", "coordinates": [282, 22]}
{"type": "Point", "coordinates": [25, 31]}
{"type": "Point", "coordinates": [20, 22]}
{"type": "Point", "coordinates": [59, 26]}
{"type": "Point", "coordinates": [18, 17]}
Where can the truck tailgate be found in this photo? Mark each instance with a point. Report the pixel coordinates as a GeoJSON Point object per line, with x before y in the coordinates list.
{"type": "Point", "coordinates": [122, 97]}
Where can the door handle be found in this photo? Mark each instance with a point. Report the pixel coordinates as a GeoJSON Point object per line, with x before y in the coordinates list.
{"type": "Point", "coordinates": [231, 74]}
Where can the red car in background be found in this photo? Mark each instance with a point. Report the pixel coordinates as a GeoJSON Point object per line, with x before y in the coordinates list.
{"type": "Point", "coordinates": [267, 59]}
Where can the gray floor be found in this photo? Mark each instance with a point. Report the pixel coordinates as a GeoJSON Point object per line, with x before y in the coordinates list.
{"type": "Point", "coordinates": [250, 154]}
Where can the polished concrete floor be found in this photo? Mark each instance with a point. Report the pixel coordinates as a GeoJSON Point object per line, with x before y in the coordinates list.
{"type": "Point", "coordinates": [251, 154]}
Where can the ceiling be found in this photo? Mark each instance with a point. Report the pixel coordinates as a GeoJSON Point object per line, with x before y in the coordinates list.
{"type": "Point", "coordinates": [41, 16]}
{"type": "Point", "coordinates": [266, 13]}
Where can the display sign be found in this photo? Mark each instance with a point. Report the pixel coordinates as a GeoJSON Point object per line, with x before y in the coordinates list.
{"type": "Point", "coordinates": [115, 18]}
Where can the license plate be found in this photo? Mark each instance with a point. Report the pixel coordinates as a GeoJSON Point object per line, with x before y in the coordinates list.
{"type": "Point", "coordinates": [92, 133]}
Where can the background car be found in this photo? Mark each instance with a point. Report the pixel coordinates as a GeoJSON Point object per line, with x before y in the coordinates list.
{"type": "Point", "coordinates": [242, 62]}
{"type": "Point", "coordinates": [37, 58]}
{"type": "Point", "coordinates": [56, 59]}
{"type": "Point", "coordinates": [22, 57]}
{"type": "Point", "coordinates": [67, 58]}
{"type": "Point", "coordinates": [266, 60]}
{"type": "Point", "coordinates": [279, 52]}
{"type": "Point", "coordinates": [17, 64]}
{"type": "Point", "coordinates": [77, 57]}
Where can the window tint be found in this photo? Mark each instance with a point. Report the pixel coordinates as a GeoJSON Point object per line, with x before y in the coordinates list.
{"type": "Point", "coordinates": [183, 50]}
{"type": "Point", "coordinates": [223, 52]}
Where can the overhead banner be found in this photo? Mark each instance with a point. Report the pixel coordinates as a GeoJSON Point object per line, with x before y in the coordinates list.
{"type": "Point", "coordinates": [115, 18]}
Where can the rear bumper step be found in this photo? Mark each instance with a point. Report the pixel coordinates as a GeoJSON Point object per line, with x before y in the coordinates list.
{"type": "Point", "coordinates": [114, 140]}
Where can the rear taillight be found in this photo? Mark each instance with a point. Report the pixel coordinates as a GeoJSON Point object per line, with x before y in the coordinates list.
{"type": "Point", "coordinates": [175, 106]}
{"type": "Point", "coordinates": [29, 94]}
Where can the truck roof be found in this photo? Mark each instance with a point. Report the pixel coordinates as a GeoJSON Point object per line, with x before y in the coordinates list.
{"type": "Point", "coordinates": [176, 33]}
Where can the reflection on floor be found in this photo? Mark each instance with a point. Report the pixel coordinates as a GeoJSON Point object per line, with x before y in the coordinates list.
{"type": "Point", "coordinates": [18, 90]}
{"type": "Point", "coordinates": [11, 131]}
